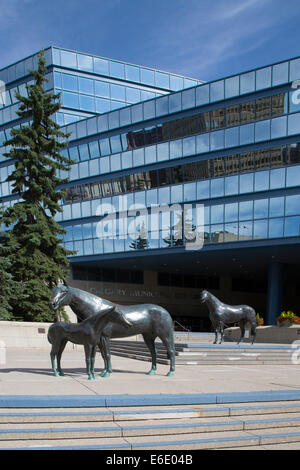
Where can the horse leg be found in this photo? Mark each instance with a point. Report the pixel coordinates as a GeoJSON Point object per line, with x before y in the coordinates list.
{"type": "Point", "coordinates": [53, 354]}
{"type": "Point", "coordinates": [88, 353]}
{"type": "Point", "coordinates": [93, 355]}
{"type": "Point", "coordinates": [221, 332]}
{"type": "Point", "coordinates": [61, 349]}
{"type": "Point", "coordinates": [151, 346]}
{"type": "Point", "coordinates": [168, 341]}
{"type": "Point", "coordinates": [105, 351]}
{"type": "Point", "coordinates": [253, 331]}
{"type": "Point", "coordinates": [242, 327]}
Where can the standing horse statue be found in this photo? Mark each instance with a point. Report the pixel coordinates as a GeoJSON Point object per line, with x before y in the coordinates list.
{"type": "Point", "coordinates": [221, 314]}
{"type": "Point", "coordinates": [86, 333]}
{"type": "Point", "coordinates": [149, 320]}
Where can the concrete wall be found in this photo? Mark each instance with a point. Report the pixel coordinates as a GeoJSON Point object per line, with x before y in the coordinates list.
{"type": "Point", "coordinates": [267, 334]}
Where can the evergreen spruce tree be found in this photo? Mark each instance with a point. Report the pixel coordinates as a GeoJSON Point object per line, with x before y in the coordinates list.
{"type": "Point", "coordinates": [141, 242]}
{"type": "Point", "coordinates": [37, 258]}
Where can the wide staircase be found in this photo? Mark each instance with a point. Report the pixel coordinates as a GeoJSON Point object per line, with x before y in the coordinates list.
{"type": "Point", "coordinates": [257, 420]}
{"type": "Point", "coordinates": [204, 353]}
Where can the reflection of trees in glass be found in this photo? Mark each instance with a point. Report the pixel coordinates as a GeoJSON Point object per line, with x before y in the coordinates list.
{"type": "Point", "coordinates": [141, 242]}
{"type": "Point", "coordinates": [182, 231]}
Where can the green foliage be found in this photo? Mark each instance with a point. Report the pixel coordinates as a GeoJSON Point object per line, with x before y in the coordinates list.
{"type": "Point", "coordinates": [37, 258]}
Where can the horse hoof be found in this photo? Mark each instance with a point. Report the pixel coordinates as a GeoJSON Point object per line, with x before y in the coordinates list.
{"type": "Point", "coordinates": [105, 375]}
{"type": "Point", "coordinates": [151, 372]}
{"type": "Point", "coordinates": [170, 374]}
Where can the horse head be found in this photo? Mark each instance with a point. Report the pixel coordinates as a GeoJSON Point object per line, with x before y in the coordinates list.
{"type": "Point", "coordinates": [59, 296]}
{"type": "Point", "coordinates": [204, 294]}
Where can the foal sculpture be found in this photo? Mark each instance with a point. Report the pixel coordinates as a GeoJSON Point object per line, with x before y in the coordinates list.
{"type": "Point", "coordinates": [149, 320]}
{"type": "Point", "coordinates": [86, 333]}
{"type": "Point", "coordinates": [221, 314]}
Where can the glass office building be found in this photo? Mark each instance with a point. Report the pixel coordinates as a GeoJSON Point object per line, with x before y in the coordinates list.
{"type": "Point", "coordinates": [143, 140]}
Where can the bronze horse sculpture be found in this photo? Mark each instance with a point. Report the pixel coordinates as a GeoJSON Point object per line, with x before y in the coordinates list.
{"type": "Point", "coordinates": [85, 333]}
{"type": "Point", "coordinates": [149, 320]}
{"type": "Point", "coordinates": [221, 314]}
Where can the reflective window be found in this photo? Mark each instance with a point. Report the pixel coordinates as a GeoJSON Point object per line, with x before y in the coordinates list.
{"type": "Point", "coordinates": [133, 95]}
{"type": "Point", "coordinates": [117, 69]}
{"type": "Point", "coordinates": [175, 102]}
{"type": "Point", "coordinates": [246, 134]}
{"type": "Point", "coordinates": [217, 140]}
{"type": "Point", "coordinates": [260, 229]}
{"type": "Point", "coordinates": [217, 187]}
{"type": "Point", "coordinates": [277, 178]}
{"type": "Point", "coordinates": [275, 228]}
{"type": "Point", "coordinates": [175, 128]}
{"type": "Point", "coordinates": [247, 82]}
{"type": "Point", "coordinates": [232, 137]}
{"type": "Point", "coordinates": [104, 146]}
{"type": "Point", "coordinates": [102, 89]}
{"type": "Point", "coordinates": [261, 181]}
{"type": "Point", "coordinates": [233, 115]}
{"type": "Point", "coordinates": [217, 118]}
{"type": "Point", "coordinates": [147, 76]}
{"type": "Point", "coordinates": [149, 109]}
{"type": "Point", "coordinates": [117, 92]}
{"type": "Point", "coordinates": [86, 85]}
{"type": "Point", "coordinates": [232, 87]}
{"type": "Point", "coordinates": [70, 100]}
{"type": "Point", "coordinates": [263, 108]}
{"type": "Point", "coordinates": [162, 106]}
{"type": "Point", "coordinates": [189, 146]}
{"type": "Point", "coordinates": [132, 73]}
{"type": "Point", "coordinates": [203, 189]}
{"type": "Point", "coordinates": [188, 98]}
{"type": "Point", "coordinates": [279, 104]}
{"type": "Point", "coordinates": [125, 116]}
{"type": "Point", "coordinates": [115, 144]}
{"type": "Point", "coordinates": [291, 226]}
{"type": "Point", "coordinates": [176, 83]}
{"type": "Point", "coordinates": [217, 213]}
{"type": "Point", "coordinates": [293, 176]}
{"type": "Point", "coordinates": [83, 152]}
{"type": "Point", "coordinates": [217, 91]}
{"type": "Point", "coordinates": [245, 230]}
{"type": "Point", "coordinates": [293, 124]}
{"type": "Point", "coordinates": [162, 80]}
{"type": "Point", "coordinates": [280, 73]}
{"type": "Point", "coordinates": [87, 102]}
{"type": "Point", "coordinates": [217, 233]}
{"type": "Point", "coordinates": [189, 191]}
{"type": "Point", "coordinates": [231, 185]}
{"type": "Point", "coordinates": [292, 205]}
{"type": "Point", "coordinates": [163, 151]}
{"type": "Point", "coordinates": [262, 130]}
{"type": "Point", "coordinates": [202, 95]}
{"type": "Point", "coordinates": [138, 157]}
{"type": "Point", "coordinates": [295, 69]}
{"type": "Point", "coordinates": [231, 232]}
{"type": "Point", "coordinates": [150, 154]}
{"type": "Point", "coordinates": [261, 208]}
{"type": "Point", "coordinates": [245, 210]}
{"type": "Point", "coordinates": [276, 207]}
{"type": "Point", "coordinates": [246, 182]}
{"type": "Point", "coordinates": [247, 160]}
{"type": "Point", "coordinates": [69, 82]}
{"type": "Point", "coordinates": [263, 78]}
{"type": "Point", "coordinates": [231, 212]}
{"type": "Point", "coordinates": [102, 105]}
{"type": "Point", "coordinates": [189, 125]}
{"type": "Point", "coordinates": [85, 62]}
{"type": "Point", "coordinates": [68, 59]}
{"type": "Point", "coordinates": [101, 66]}
{"type": "Point", "coordinates": [247, 112]}
{"type": "Point", "coordinates": [137, 113]}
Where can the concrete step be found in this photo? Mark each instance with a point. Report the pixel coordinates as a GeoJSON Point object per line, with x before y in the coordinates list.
{"type": "Point", "coordinates": [205, 426]}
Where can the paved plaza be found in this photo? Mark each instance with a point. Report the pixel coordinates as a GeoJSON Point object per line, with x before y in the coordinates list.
{"type": "Point", "coordinates": [28, 371]}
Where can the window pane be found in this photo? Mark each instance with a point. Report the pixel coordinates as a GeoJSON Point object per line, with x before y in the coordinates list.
{"type": "Point", "coordinates": [245, 230]}
{"type": "Point", "coordinates": [101, 66]}
{"type": "Point", "coordinates": [231, 185]}
{"type": "Point", "coordinates": [247, 82]}
{"type": "Point", "coordinates": [279, 104]}
{"type": "Point", "coordinates": [261, 181]}
{"type": "Point", "coordinates": [217, 187]}
{"type": "Point", "coordinates": [291, 226]}
{"type": "Point", "coordinates": [294, 124]}
{"type": "Point", "coordinates": [232, 87]}
{"type": "Point", "coordinates": [246, 183]}
{"type": "Point", "coordinates": [133, 95]}
{"type": "Point", "coordinates": [217, 213]}
{"type": "Point", "coordinates": [117, 69]}
{"type": "Point", "coordinates": [87, 103]}
{"type": "Point", "coordinates": [217, 118]}
{"type": "Point", "coordinates": [69, 82]}
{"type": "Point", "coordinates": [280, 73]}
{"type": "Point", "coordinates": [263, 108]}
{"type": "Point", "coordinates": [102, 105]}
{"type": "Point", "coordinates": [217, 91]}
{"type": "Point", "coordinates": [276, 206]}
{"type": "Point", "coordinates": [275, 228]}
{"type": "Point", "coordinates": [189, 146]}
{"type": "Point", "coordinates": [132, 73]}
{"type": "Point", "coordinates": [233, 115]}
{"type": "Point", "coordinates": [247, 112]}
{"type": "Point", "coordinates": [102, 89]}
{"type": "Point", "coordinates": [202, 142]}
{"type": "Point", "coordinates": [68, 59]}
{"type": "Point", "coordinates": [217, 140]}
{"type": "Point", "coordinates": [260, 229]}
{"type": "Point", "coordinates": [203, 189]}
{"type": "Point", "coordinates": [175, 102]}
{"type": "Point", "coordinates": [245, 210]}
{"type": "Point", "coordinates": [292, 205]}
{"type": "Point", "coordinates": [262, 131]}
{"type": "Point", "coordinates": [231, 212]}
{"type": "Point", "coordinates": [263, 78]}
{"type": "Point", "coordinates": [162, 80]}
{"type": "Point", "coordinates": [85, 62]}
{"type": "Point", "coordinates": [232, 137]}
{"type": "Point", "coordinates": [277, 178]}
{"type": "Point", "coordinates": [176, 83]}
{"type": "Point", "coordinates": [294, 69]}
{"type": "Point", "coordinates": [246, 134]}
{"type": "Point", "coordinates": [117, 92]}
{"type": "Point", "coordinates": [86, 85]}
{"type": "Point", "coordinates": [147, 76]}
{"type": "Point", "coordinates": [188, 98]}
{"type": "Point", "coordinates": [70, 100]}
{"type": "Point", "coordinates": [202, 95]}
{"type": "Point", "coordinates": [261, 208]}
{"type": "Point", "coordinates": [293, 176]}
{"type": "Point", "coordinates": [83, 152]}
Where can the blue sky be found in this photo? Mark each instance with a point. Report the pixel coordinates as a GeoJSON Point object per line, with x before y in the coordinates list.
{"type": "Point", "coordinates": [198, 38]}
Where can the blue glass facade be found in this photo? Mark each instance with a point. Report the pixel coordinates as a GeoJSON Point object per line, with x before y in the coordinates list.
{"type": "Point", "coordinates": [232, 145]}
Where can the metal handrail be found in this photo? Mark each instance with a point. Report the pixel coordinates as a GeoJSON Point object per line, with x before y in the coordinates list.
{"type": "Point", "coordinates": [186, 329]}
